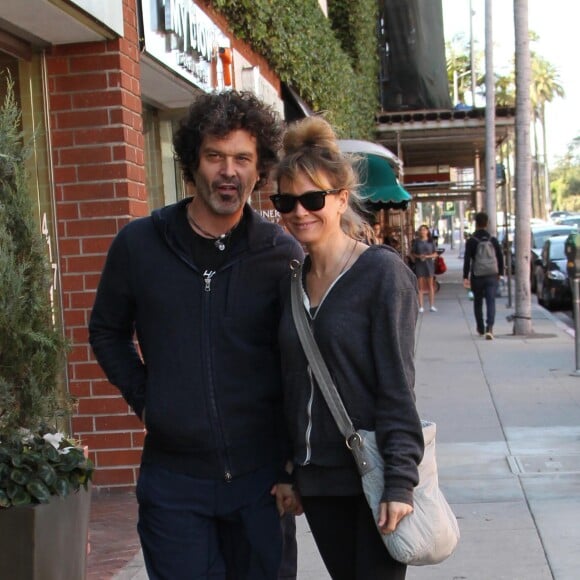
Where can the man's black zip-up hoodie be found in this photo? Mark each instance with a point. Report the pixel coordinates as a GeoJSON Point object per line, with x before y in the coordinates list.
{"type": "Point", "coordinates": [209, 371]}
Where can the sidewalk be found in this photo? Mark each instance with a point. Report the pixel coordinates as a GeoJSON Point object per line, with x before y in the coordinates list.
{"type": "Point", "coordinates": [508, 418]}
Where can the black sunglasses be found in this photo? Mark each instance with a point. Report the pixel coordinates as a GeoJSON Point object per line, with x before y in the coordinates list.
{"type": "Point", "coordinates": [311, 200]}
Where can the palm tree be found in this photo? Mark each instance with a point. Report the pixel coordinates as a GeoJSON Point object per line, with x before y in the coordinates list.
{"type": "Point", "coordinates": [523, 304]}
{"type": "Point", "coordinates": [505, 90]}
{"type": "Point", "coordinates": [459, 71]}
{"type": "Point", "coordinates": [544, 89]}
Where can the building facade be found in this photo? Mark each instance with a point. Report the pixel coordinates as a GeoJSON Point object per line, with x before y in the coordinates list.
{"type": "Point", "coordinates": [102, 86]}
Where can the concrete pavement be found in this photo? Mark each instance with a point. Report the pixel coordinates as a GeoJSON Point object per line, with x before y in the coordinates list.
{"type": "Point", "coordinates": [508, 444]}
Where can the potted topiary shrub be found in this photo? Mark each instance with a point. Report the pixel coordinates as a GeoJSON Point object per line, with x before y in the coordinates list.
{"type": "Point", "coordinates": [44, 474]}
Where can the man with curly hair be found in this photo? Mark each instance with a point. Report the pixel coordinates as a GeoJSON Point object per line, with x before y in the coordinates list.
{"type": "Point", "coordinates": [198, 283]}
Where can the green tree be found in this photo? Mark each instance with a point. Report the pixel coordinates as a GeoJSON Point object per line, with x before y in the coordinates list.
{"type": "Point", "coordinates": [31, 348]}
{"type": "Point", "coordinates": [459, 69]}
{"type": "Point", "coordinates": [332, 62]}
{"type": "Point", "coordinates": [545, 87]}
{"type": "Point", "coordinates": [565, 183]}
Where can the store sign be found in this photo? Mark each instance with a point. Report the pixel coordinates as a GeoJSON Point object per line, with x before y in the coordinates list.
{"type": "Point", "coordinates": [181, 36]}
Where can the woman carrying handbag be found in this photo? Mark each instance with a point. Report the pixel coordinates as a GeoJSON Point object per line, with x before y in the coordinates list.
{"type": "Point", "coordinates": [361, 302]}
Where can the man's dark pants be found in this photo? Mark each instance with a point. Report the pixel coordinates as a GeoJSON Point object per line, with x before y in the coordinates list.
{"type": "Point", "coordinates": [484, 288]}
{"type": "Point", "coordinates": [193, 528]}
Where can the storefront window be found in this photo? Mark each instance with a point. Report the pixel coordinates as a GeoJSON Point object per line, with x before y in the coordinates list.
{"type": "Point", "coordinates": [27, 77]}
{"type": "Point", "coordinates": [164, 185]}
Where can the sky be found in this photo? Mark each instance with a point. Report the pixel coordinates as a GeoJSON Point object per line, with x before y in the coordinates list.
{"type": "Point", "coordinates": [556, 24]}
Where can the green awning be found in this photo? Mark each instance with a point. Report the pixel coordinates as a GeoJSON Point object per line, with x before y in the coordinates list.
{"type": "Point", "coordinates": [379, 184]}
{"type": "Point", "coordinates": [377, 168]}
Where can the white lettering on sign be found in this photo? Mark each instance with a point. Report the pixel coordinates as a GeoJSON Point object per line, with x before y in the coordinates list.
{"type": "Point", "coordinates": [194, 30]}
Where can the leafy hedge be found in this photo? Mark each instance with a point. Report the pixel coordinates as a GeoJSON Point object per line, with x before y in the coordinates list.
{"type": "Point", "coordinates": [332, 62]}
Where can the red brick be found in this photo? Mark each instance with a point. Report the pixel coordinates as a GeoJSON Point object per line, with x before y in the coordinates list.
{"type": "Point", "coordinates": [75, 317]}
{"type": "Point", "coordinates": [89, 118]}
{"type": "Point", "coordinates": [90, 209]}
{"type": "Point", "coordinates": [67, 211]}
{"type": "Point", "coordinates": [73, 282]}
{"type": "Point", "coordinates": [116, 80]}
{"type": "Point", "coordinates": [80, 389]}
{"type": "Point", "coordinates": [109, 98]}
{"type": "Point", "coordinates": [65, 174]}
{"type": "Point", "coordinates": [131, 137]}
{"type": "Point", "coordinates": [92, 280]}
{"type": "Point", "coordinates": [96, 245]}
{"type": "Point", "coordinates": [57, 66]}
{"type": "Point", "coordinates": [64, 138]}
{"type": "Point", "coordinates": [116, 440]}
{"type": "Point", "coordinates": [79, 300]}
{"type": "Point", "coordinates": [120, 116]}
{"type": "Point", "coordinates": [98, 62]}
{"type": "Point", "coordinates": [60, 102]}
{"type": "Point", "coordinates": [78, 335]}
{"type": "Point", "coordinates": [106, 135]}
{"type": "Point", "coordinates": [82, 425]}
{"type": "Point", "coordinates": [114, 477]}
{"type": "Point", "coordinates": [80, 354]}
{"type": "Point", "coordinates": [124, 152]}
{"type": "Point", "coordinates": [111, 171]}
{"type": "Point", "coordinates": [81, 82]}
{"type": "Point", "coordinates": [84, 264]}
{"type": "Point", "coordinates": [69, 246]}
{"type": "Point", "coordinates": [127, 189]}
{"type": "Point", "coordinates": [85, 155]}
{"type": "Point", "coordinates": [97, 47]}
{"type": "Point", "coordinates": [138, 438]}
{"type": "Point", "coordinates": [128, 458]}
{"type": "Point", "coordinates": [118, 423]}
{"type": "Point", "coordinates": [132, 102]}
{"type": "Point", "coordinates": [135, 173]}
{"type": "Point", "coordinates": [82, 191]}
{"type": "Point", "coordinates": [95, 227]}
{"type": "Point", "coordinates": [103, 406]}
{"type": "Point", "coordinates": [85, 371]}
{"type": "Point", "coordinates": [103, 389]}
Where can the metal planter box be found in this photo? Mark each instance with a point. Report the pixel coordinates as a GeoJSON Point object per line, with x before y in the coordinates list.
{"type": "Point", "coordinates": [46, 541]}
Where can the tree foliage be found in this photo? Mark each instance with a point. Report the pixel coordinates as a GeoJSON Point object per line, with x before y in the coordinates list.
{"type": "Point", "coordinates": [565, 183]}
{"type": "Point", "coordinates": [31, 349]}
{"type": "Point", "coordinates": [331, 62]}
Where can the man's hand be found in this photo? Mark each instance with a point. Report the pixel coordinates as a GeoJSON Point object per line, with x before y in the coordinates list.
{"type": "Point", "coordinates": [287, 499]}
{"type": "Point", "coordinates": [390, 514]}
{"type": "Point", "coordinates": [466, 283]}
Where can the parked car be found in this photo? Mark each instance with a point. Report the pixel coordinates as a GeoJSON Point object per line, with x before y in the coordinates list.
{"type": "Point", "coordinates": [553, 287]}
{"type": "Point", "coordinates": [541, 233]}
{"type": "Point", "coordinates": [571, 220]}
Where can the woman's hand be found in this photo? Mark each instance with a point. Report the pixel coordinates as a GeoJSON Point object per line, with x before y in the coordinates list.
{"type": "Point", "coordinates": [390, 514]}
{"type": "Point", "coordinates": [287, 499]}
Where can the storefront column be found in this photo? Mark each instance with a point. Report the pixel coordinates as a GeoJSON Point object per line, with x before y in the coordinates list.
{"type": "Point", "coordinates": [96, 137]}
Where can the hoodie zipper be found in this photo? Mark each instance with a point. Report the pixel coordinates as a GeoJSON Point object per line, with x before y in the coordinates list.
{"type": "Point", "coordinates": [208, 277]}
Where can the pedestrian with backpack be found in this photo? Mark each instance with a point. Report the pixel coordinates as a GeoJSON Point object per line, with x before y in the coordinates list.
{"type": "Point", "coordinates": [482, 269]}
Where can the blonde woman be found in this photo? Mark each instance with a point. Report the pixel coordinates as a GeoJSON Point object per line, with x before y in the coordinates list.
{"type": "Point", "coordinates": [362, 304]}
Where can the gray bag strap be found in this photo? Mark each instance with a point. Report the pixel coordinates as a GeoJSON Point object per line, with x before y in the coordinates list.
{"type": "Point", "coordinates": [318, 366]}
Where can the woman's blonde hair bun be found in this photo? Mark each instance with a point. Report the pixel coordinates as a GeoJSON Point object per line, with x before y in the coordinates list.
{"type": "Point", "coordinates": [311, 132]}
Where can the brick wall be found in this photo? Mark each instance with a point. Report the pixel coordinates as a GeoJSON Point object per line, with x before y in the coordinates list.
{"type": "Point", "coordinates": [99, 176]}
